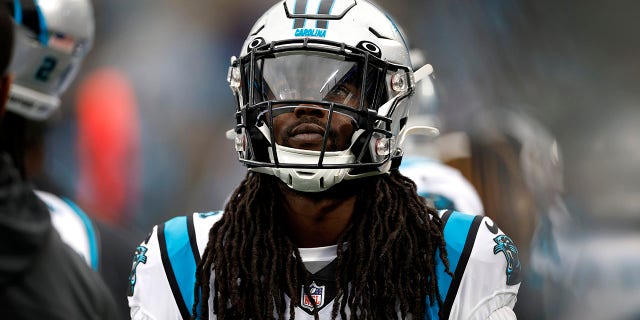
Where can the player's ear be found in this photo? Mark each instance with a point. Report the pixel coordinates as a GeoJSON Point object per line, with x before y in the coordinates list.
{"type": "Point", "coordinates": [5, 84]}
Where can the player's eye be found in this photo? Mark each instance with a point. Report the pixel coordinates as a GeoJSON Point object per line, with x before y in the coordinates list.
{"type": "Point", "coordinates": [341, 94]}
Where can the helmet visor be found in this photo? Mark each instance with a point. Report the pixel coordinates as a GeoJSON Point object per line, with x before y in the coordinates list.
{"type": "Point", "coordinates": [321, 97]}
{"type": "Point", "coordinates": [311, 76]}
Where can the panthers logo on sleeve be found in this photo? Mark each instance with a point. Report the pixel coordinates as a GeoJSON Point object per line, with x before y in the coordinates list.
{"type": "Point", "coordinates": [508, 247]}
{"type": "Point", "coordinates": [138, 257]}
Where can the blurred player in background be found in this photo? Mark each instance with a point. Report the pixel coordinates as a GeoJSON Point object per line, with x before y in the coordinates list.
{"type": "Point", "coordinates": [52, 39]}
{"type": "Point", "coordinates": [578, 263]}
{"type": "Point", "coordinates": [40, 276]}
{"type": "Point", "coordinates": [444, 186]}
{"type": "Point", "coordinates": [517, 164]}
{"type": "Point", "coordinates": [495, 142]}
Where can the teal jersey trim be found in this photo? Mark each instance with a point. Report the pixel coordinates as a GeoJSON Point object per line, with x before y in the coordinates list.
{"type": "Point", "coordinates": [17, 11]}
{"type": "Point", "coordinates": [456, 232]}
{"type": "Point", "coordinates": [439, 201]}
{"type": "Point", "coordinates": [181, 257]}
{"type": "Point", "coordinates": [91, 234]}
{"type": "Point", "coordinates": [409, 161]}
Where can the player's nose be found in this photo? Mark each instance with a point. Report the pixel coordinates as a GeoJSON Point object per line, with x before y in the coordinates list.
{"type": "Point", "coordinates": [310, 110]}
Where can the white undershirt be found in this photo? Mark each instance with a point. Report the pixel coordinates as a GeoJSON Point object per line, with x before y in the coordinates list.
{"type": "Point", "coordinates": [317, 258]}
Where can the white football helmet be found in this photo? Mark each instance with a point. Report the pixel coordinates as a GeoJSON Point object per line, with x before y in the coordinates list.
{"type": "Point", "coordinates": [300, 53]}
{"type": "Point", "coordinates": [52, 39]}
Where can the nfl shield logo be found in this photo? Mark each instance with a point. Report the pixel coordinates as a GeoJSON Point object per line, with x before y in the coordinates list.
{"type": "Point", "coordinates": [317, 294]}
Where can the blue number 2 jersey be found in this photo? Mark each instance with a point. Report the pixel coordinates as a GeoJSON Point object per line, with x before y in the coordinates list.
{"type": "Point", "coordinates": [483, 259]}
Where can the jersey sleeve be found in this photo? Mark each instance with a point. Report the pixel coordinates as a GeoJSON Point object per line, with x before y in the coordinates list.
{"type": "Point", "coordinates": [444, 185]}
{"type": "Point", "coordinates": [490, 280]}
{"type": "Point", "coordinates": [75, 228]}
{"type": "Point", "coordinates": [162, 279]}
{"type": "Point", "coordinates": [150, 296]}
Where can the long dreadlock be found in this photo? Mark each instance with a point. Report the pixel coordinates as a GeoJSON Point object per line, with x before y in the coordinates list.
{"type": "Point", "coordinates": [251, 258]}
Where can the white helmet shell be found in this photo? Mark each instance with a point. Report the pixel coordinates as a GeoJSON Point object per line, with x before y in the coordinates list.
{"type": "Point", "coordinates": [326, 33]}
{"type": "Point", "coordinates": [345, 21]}
{"type": "Point", "coordinates": [52, 39]}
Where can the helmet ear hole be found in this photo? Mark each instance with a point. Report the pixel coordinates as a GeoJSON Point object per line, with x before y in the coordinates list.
{"type": "Point", "coordinates": [370, 47]}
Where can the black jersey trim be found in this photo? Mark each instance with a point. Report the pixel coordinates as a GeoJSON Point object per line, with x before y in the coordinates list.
{"type": "Point", "coordinates": [324, 278]}
{"type": "Point", "coordinates": [445, 217]}
{"type": "Point", "coordinates": [193, 241]}
{"type": "Point", "coordinates": [462, 265]}
{"type": "Point", "coordinates": [168, 270]}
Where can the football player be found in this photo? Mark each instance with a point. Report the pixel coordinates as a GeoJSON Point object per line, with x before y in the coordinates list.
{"type": "Point", "coordinates": [324, 226]}
{"type": "Point", "coordinates": [40, 276]}
{"type": "Point", "coordinates": [52, 39]}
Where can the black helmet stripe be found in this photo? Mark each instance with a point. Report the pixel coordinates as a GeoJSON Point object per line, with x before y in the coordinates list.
{"type": "Point", "coordinates": [300, 8]}
{"type": "Point", "coordinates": [325, 8]}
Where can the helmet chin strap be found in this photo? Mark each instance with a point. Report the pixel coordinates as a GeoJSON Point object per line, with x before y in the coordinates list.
{"type": "Point", "coordinates": [308, 179]}
{"type": "Point", "coordinates": [311, 179]}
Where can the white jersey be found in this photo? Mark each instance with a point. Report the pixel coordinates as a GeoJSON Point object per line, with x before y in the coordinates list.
{"type": "Point", "coordinates": [483, 259]}
{"type": "Point", "coordinates": [74, 226]}
{"type": "Point", "coordinates": [441, 184]}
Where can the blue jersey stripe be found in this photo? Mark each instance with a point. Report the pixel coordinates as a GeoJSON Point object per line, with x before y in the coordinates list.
{"type": "Point", "coordinates": [440, 202]}
{"type": "Point", "coordinates": [456, 230]}
{"type": "Point", "coordinates": [461, 265]}
{"type": "Point", "coordinates": [455, 236]}
{"type": "Point", "coordinates": [409, 161]}
{"type": "Point", "coordinates": [91, 233]}
{"type": "Point", "coordinates": [17, 11]}
{"type": "Point", "coordinates": [181, 257]}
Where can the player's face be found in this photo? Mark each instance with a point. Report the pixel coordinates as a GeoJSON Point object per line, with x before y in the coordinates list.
{"type": "Point", "coordinates": [304, 127]}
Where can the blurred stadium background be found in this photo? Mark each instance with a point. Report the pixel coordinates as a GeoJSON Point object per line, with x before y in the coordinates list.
{"type": "Point", "coordinates": [156, 82]}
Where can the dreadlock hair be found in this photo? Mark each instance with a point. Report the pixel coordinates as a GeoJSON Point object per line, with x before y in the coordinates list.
{"type": "Point", "coordinates": [249, 257]}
